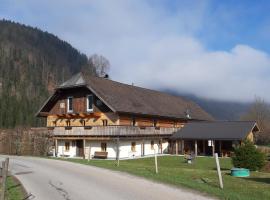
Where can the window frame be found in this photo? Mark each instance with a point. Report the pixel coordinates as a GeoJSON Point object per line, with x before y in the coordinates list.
{"type": "Point", "coordinates": [104, 122]}
{"type": "Point", "coordinates": [152, 145]}
{"type": "Point", "coordinates": [87, 103]}
{"type": "Point", "coordinates": [68, 102]}
{"type": "Point", "coordinates": [133, 146]}
{"type": "Point", "coordinates": [155, 122]}
{"type": "Point", "coordinates": [67, 146]}
{"type": "Point", "coordinates": [133, 121]}
{"type": "Point", "coordinates": [103, 146]}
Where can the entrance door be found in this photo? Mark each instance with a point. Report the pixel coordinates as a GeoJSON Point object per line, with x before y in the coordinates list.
{"type": "Point", "coordinates": [79, 144]}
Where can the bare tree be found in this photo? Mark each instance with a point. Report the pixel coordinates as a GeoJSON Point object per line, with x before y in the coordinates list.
{"type": "Point", "coordinates": [260, 112]}
{"type": "Point", "coordinates": [100, 64]}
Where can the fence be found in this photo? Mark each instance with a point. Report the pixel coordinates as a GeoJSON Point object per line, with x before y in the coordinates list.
{"type": "Point", "coordinates": [34, 141]}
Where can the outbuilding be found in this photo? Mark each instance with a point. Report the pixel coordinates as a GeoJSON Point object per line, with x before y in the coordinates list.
{"type": "Point", "coordinates": [207, 138]}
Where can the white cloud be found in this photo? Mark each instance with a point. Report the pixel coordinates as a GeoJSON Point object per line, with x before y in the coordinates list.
{"type": "Point", "coordinates": [153, 46]}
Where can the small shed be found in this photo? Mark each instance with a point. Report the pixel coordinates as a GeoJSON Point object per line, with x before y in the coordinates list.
{"type": "Point", "coordinates": [207, 138]}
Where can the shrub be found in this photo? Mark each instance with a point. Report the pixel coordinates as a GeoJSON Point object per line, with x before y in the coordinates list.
{"type": "Point", "coordinates": [248, 156]}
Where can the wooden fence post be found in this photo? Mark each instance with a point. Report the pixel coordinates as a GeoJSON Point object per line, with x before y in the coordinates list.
{"type": "Point", "coordinates": [4, 178]}
{"type": "Point", "coordinates": [218, 171]}
{"type": "Point", "coordinates": [2, 168]}
{"type": "Point", "coordinates": [156, 165]}
{"type": "Point", "coordinates": [117, 151]}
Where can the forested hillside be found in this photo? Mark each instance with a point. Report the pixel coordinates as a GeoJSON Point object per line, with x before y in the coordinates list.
{"type": "Point", "coordinates": [32, 62]}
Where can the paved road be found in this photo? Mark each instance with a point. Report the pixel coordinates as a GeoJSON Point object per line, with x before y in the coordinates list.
{"type": "Point", "coordinates": [58, 180]}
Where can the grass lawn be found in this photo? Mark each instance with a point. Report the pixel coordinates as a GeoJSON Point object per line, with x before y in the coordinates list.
{"type": "Point", "coordinates": [200, 176]}
{"type": "Point", "coordinates": [14, 189]}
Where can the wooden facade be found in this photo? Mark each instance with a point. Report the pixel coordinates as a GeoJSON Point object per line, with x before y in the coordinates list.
{"type": "Point", "coordinates": [102, 115]}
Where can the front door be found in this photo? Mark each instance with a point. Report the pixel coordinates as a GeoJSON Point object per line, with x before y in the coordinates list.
{"type": "Point", "coordinates": [79, 144]}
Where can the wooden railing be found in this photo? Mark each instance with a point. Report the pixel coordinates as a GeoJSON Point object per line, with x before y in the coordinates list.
{"type": "Point", "coordinates": [112, 131]}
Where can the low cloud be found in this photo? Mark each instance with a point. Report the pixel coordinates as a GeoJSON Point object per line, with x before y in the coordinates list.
{"type": "Point", "coordinates": [152, 45]}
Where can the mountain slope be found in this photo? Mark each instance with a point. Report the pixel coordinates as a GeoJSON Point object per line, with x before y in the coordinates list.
{"type": "Point", "coordinates": [32, 62]}
{"type": "Point", "coordinates": [220, 110]}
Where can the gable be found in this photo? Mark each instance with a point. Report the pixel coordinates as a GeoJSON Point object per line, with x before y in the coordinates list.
{"type": "Point", "coordinates": [57, 103]}
{"type": "Point", "coordinates": [128, 99]}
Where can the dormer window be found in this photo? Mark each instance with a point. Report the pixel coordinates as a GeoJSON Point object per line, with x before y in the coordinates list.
{"type": "Point", "coordinates": [69, 104]}
{"type": "Point", "coordinates": [89, 103]}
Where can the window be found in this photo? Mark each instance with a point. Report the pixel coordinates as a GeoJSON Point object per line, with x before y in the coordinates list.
{"type": "Point", "coordinates": [68, 122]}
{"type": "Point", "coordinates": [89, 103]}
{"type": "Point", "coordinates": [69, 104]}
{"type": "Point", "coordinates": [133, 146]}
{"type": "Point", "coordinates": [155, 123]}
{"type": "Point", "coordinates": [82, 121]}
{"type": "Point", "coordinates": [105, 122]}
{"type": "Point", "coordinates": [152, 145]}
{"type": "Point", "coordinates": [73, 143]}
{"type": "Point", "coordinates": [103, 146]}
{"type": "Point", "coordinates": [66, 146]}
{"type": "Point", "coordinates": [133, 121]}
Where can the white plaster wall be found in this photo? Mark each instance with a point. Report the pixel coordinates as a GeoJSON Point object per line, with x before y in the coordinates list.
{"type": "Point", "coordinates": [165, 147]}
{"type": "Point", "coordinates": [149, 151]}
{"type": "Point", "coordinates": [124, 148]}
{"type": "Point", "coordinates": [61, 149]}
{"type": "Point", "coordinates": [147, 147]}
{"type": "Point", "coordinates": [96, 146]}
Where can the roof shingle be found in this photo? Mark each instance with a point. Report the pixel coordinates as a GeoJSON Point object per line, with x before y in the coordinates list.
{"type": "Point", "coordinates": [218, 130]}
{"type": "Point", "coordinates": [125, 98]}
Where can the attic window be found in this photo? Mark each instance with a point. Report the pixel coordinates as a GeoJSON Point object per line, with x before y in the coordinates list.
{"type": "Point", "coordinates": [105, 122]}
{"type": "Point", "coordinates": [90, 103]}
{"type": "Point", "coordinates": [69, 104]}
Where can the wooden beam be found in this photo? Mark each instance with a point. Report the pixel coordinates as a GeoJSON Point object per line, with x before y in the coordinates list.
{"type": "Point", "coordinates": [176, 147]}
{"type": "Point", "coordinates": [142, 148]}
{"type": "Point", "coordinates": [161, 150]}
{"type": "Point", "coordinates": [204, 148]}
{"type": "Point", "coordinates": [196, 148]}
{"type": "Point", "coordinates": [83, 148]}
{"type": "Point", "coordinates": [220, 148]}
{"type": "Point", "coordinates": [183, 147]}
{"type": "Point", "coordinates": [56, 147]}
{"type": "Point", "coordinates": [213, 147]}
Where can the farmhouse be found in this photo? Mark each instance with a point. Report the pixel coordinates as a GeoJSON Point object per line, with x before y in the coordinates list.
{"type": "Point", "coordinates": [97, 117]}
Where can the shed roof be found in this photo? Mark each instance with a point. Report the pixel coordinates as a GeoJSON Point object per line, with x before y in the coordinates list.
{"type": "Point", "coordinates": [125, 98]}
{"type": "Point", "coordinates": [218, 130]}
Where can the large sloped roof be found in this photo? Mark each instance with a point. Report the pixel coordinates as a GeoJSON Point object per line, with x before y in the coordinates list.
{"type": "Point", "coordinates": [218, 130]}
{"type": "Point", "coordinates": [125, 98]}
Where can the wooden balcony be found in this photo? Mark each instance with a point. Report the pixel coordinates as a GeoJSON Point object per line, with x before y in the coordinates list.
{"type": "Point", "coordinates": [122, 131]}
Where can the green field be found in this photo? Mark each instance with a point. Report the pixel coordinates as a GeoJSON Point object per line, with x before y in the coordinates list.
{"type": "Point", "coordinates": [201, 175]}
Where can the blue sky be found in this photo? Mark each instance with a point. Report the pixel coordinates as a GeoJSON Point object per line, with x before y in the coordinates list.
{"type": "Point", "coordinates": [213, 49]}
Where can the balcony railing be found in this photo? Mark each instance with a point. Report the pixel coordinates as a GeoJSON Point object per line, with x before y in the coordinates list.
{"type": "Point", "coordinates": [113, 131]}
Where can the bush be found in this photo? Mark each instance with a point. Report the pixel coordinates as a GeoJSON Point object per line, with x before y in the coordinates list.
{"type": "Point", "coordinates": [248, 156]}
